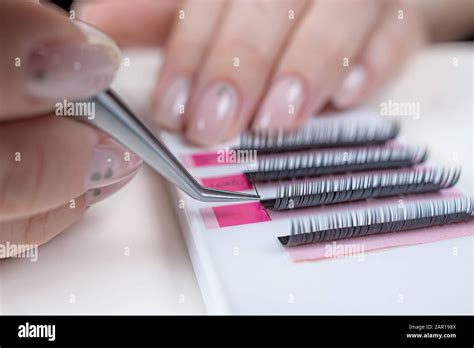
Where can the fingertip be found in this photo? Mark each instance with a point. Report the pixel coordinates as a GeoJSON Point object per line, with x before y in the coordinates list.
{"type": "Point", "coordinates": [351, 88]}
{"type": "Point", "coordinates": [72, 69]}
{"type": "Point", "coordinates": [99, 194]}
{"type": "Point", "coordinates": [283, 105]}
{"type": "Point", "coordinates": [169, 105]}
{"type": "Point", "coordinates": [57, 59]}
{"type": "Point", "coordinates": [213, 116]}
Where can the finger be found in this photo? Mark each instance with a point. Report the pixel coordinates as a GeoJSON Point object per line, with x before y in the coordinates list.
{"type": "Point", "coordinates": [40, 228]}
{"type": "Point", "coordinates": [49, 160]}
{"type": "Point", "coordinates": [329, 32]}
{"type": "Point", "coordinates": [185, 49]}
{"type": "Point", "coordinates": [236, 69]}
{"type": "Point", "coordinates": [48, 59]}
{"type": "Point", "coordinates": [394, 40]}
{"type": "Point", "coordinates": [136, 23]}
{"type": "Point", "coordinates": [96, 195]}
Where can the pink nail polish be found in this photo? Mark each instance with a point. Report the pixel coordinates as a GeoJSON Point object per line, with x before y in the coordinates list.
{"type": "Point", "coordinates": [351, 86]}
{"type": "Point", "coordinates": [110, 162]}
{"type": "Point", "coordinates": [214, 115]}
{"type": "Point", "coordinates": [96, 195]}
{"type": "Point", "coordinates": [62, 70]}
{"type": "Point", "coordinates": [282, 104]}
{"type": "Point", "coordinates": [171, 107]}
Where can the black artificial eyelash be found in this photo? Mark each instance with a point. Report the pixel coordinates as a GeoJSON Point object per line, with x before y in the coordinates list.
{"type": "Point", "coordinates": [324, 133]}
{"type": "Point", "coordinates": [385, 219]}
{"type": "Point", "coordinates": [323, 162]}
{"type": "Point", "coordinates": [315, 192]}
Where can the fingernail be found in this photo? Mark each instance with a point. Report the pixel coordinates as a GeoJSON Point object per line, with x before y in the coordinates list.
{"type": "Point", "coordinates": [351, 86]}
{"type": "Point", "coordinates": [171, 106]}
{"type": "Point", "coordinates": [282, 104]}
{"type": "Point", "coordinates": [72, 69]}
{"type": "Point", "coordinates": [214, 115]}
{"type": "Point", "coordinates": [96, 195]}
{"type": "Point", "coordinates": [110, 162]}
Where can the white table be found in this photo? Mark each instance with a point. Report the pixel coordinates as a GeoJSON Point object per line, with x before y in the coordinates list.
{"type": "Point", "coordinates": [127, 255]}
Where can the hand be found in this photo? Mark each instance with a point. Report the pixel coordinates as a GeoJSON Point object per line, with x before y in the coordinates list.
{"type": "Point", "coordinates": [265, 64]}
{"type": "Point", "coordinates": [52, 168]}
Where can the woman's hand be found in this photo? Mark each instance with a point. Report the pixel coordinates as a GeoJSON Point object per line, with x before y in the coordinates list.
{"type": "Point", "coordinates": [52, 168]}
{"type": "Point", "coordinates": [261, 63]}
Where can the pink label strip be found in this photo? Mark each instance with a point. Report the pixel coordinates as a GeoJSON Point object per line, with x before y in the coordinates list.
{"type": "Point", "coordinates": [210, 159]}
{"type": "Point", "coordinates": [234, 215]}
{"type": "Point", "coordinates": [237, 182]}
{"type": "Point", "coordinates": [356, 247]}
{"type": "Point", "coordinates": [202, 159]}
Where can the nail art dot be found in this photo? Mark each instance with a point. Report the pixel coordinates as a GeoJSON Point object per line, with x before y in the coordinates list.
{"type": "Point", "coordinates": [221, 90]}
{"type": "Point", "coordinates": [108, 173]}
{"type": "Point", "coordinates": [96, 176]}
{"type": "Point", "coordinates": [40, 75]}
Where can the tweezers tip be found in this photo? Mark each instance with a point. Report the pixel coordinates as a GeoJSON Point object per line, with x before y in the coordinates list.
{"type": "Point", "coordinates": [229, 196]}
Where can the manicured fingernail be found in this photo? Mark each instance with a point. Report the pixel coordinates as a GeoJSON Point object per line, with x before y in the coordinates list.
{"type": "Point", "coordinates": [282, 104]}
{"type": "Point", "coordinates": [214, 115]}
{"type": "Point", "coordinates": [58, 70]}
{"type": "Point", "coordinates": [96, 195]}
{"type": "Point", "coordinates": [171, 106]}
{"type": "Point", "coordinates": [351, 86]}
{"type": "Point", "coordinates": [110, 162]}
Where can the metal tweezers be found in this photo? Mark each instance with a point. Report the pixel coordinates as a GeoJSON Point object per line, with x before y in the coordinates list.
{"type": "Point", "coordinates": [115, 118]}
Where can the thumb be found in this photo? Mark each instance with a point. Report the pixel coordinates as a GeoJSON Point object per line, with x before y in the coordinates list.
{"type": "Point", "coordinates": [46, 58]}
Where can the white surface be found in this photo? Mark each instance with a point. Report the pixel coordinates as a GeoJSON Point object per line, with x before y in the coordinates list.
{"type": "Point", "coordinates": [244, 269]}
{"type": "Point", "coordinates": [88, 262]}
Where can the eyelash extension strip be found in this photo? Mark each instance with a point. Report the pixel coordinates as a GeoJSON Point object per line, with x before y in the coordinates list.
{"type": "Point", "coordinates": [310, 193]}
{"type": "Point", "coordinates": [385, 219]}
{"type": "Point", "coordinates": [326, 133]}
{"type": "Point", "coordinates": [325, 162]}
